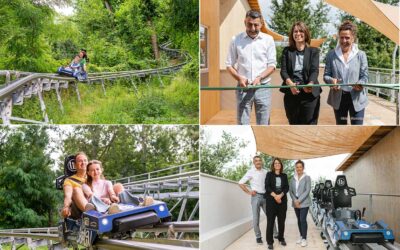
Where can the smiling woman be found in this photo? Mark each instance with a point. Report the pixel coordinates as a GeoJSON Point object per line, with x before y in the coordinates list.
{"type": "Point", "coordinates": [300, 66]}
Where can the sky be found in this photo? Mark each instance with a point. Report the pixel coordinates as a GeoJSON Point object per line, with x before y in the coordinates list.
{"type": "Point", "coordinates": [315, 168]}
{"type": "Point", "coordinates": [65, 10]}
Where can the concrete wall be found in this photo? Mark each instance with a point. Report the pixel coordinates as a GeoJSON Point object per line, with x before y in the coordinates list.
{"type": "Point", "coordinates": [225, 212]}
{"type": "Point", "coordinates": [378, 171]}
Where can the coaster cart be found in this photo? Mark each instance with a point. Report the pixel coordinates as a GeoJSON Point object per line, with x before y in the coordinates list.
{"type": "Point", "coordinates": [94, 225]}
{"type": "Point", "coordinates": [346, 228]}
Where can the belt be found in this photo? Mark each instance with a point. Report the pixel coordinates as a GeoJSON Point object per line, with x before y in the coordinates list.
{"type": "Point", "coordinates": [260, 193]}
{"type": "Point", "coordinates": [345, 92]}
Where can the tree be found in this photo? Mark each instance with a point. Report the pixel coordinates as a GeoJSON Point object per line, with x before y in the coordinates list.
{"type": "Point", "coordinates": [215, 156]}
{"type": "Point", "coordinates": [22, 45]}
{"type": "Point", "coordinates": [27, 194]}
{"type": "Point", "coordinates": [237, 172]}
{"type": "Point", "coordinates": [287, 12]}
{"type": "Point", "coordinates": [132, 150]}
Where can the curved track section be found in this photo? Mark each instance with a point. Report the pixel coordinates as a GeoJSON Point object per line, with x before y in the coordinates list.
{"type": "Point", "coordinates": [28, 84]}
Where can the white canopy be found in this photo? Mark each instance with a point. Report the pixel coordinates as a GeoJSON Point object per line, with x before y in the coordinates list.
{"type": "Point", "coordinates": [306, 142]}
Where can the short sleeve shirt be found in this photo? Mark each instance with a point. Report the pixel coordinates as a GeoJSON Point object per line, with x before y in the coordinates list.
{"type": "Point", "coordinates": [73, 183]}
{"type": "Point", "coordinates": [256, 179]}
{"type": "Point", "coordinates": [250, 57]}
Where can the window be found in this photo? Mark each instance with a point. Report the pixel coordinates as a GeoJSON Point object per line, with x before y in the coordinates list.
{"type": "Point", "coordinates": [203, 48]}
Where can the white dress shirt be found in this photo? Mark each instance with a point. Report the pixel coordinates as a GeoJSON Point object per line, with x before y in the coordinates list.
{"type": "Point", "coordinates": [256, 179]}
{"type": "Point", "coordinates": [250, 57]}
{"type": "Point", "coordinates": [296, 177]}
{"type": "Point", "coordinates": [346, 65]}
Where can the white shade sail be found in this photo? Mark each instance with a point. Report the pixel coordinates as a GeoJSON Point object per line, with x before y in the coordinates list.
{"type": "Point", "coordinates": [307, 142]}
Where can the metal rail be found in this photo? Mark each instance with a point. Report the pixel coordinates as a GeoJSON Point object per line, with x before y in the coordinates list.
{"type": "Point", "coordinates": [122, 245]}
{"type": "Point", "coordinates": [25, 236]}
{"type": "Point", "coordinates": [14, 92]}
{"type": "Point", "coordinates": [163, 172]}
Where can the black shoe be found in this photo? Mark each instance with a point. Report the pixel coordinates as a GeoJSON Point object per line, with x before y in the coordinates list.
{"type": "Point", "coordinates": [271, 246]}
{"type": "Point", "coordinates": [283, 242]}
{"type": "Point", "coordinates": [259, 241]}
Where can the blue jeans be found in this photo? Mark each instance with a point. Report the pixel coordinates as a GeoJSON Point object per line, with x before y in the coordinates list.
{"type": "Point", "coordinates": [346, 107]}
{"type": "Point", "coordinates": [262, 102]}
{"type": "Point", "coordinates": [301, 214]}
{"type": "Point", "coordinates": [257, 202]}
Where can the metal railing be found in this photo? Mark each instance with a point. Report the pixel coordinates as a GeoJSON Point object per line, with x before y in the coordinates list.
{"type": "Point", "coordinates": [379, 75]}
{"type": "Point", "coordinates": [13, 92]}
{"type": "Point", "coordinates": [179, 169]}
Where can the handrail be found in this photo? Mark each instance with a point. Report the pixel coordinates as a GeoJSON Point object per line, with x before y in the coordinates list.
{"type": "Point", "coordinates": [377, 194]}
{"type": "Point", "coordinates": [169, 177]}
{"type": "Point", "coordinates": [156, 171]}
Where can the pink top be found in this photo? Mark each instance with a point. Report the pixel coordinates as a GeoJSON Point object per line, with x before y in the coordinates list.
{"type": "Point", "coordinates": [101, 188]}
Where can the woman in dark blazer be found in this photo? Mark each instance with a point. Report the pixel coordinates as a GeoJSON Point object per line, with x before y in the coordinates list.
{"type": "Point", "coordinates": [300, 66]}
{"type": "Point", "coordinates": [276, 187]}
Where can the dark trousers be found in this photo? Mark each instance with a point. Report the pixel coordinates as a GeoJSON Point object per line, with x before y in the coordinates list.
{"type": "Point", "coordinates": [301, 214]}
{"type": "Point", "coordinates": [302, 109]}
{"type": "Point", "coordinates": [275, 210]}
{"type": "Point", "coordinates": [346, 107]}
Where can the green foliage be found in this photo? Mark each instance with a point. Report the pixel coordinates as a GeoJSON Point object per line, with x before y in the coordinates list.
{"type": "Point", "coordinates": [290, 11]}
{"type": "Point", "coordinates": [33, 37]}
{"type": "Point", "coordinates": [131, 150]}
{"type": "Point", "coordinates": [236, 173]}
{"type": "Point", "coordinates": [23, 45]}
{"type": "Point", "coordinates": [215, 156]}
{"type": "Point", "coordinates": [27, 194]}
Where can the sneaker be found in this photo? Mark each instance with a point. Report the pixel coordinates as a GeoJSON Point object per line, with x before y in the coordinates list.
{"type": "Point", "coordinates": [283, 242]}
{"type": "Point", "coordinates": [89, 206]}
{"type": "Point", "coordinates": [303, 243]}
{"type": "Point", "coordinates": [271, 246]}
{"type": "Point", "coordinates": [299, 240]}
{"type": "Point", "coordinates": [113, 209]}
{"type": "Point", "coordinates": [259, 241]}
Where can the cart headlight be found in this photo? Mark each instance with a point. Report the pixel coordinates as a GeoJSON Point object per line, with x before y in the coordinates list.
{"type": "Point", "coordinates": [104, 222]}
{"type": "Point", "coordinates": [388, 232]}
{"type": "Point", "coordinates": [161, 208]}
{"type": "Point", "coordinates": [345, 233]}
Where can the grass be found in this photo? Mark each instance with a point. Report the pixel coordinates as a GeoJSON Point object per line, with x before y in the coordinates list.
{"type": "Point", "coordinates": [169, 101]}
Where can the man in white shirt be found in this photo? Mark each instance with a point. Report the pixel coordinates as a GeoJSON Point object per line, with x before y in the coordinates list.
{"type": "Point", "coordinates": [256, 177]}
{"type": "Point", "coordinates": [251, 60]}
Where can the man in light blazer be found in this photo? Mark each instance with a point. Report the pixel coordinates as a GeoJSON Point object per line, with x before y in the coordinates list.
{"type": "Point", "coordinates": [299, 190]}
{"type": "Point", "coordinates": [346, 64]}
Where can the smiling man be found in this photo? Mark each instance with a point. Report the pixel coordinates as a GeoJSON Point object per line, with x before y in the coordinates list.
{"type": "Point", "coordinates": [251, 60]}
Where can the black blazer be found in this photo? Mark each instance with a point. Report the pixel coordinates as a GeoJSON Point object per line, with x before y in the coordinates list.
{"type": "Point", "coordinates": [270, 185]}
{"type": "Point", "coordinates": [310, 67]}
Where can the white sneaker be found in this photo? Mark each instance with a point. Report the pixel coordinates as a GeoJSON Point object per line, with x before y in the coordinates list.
{"type": "Point", "coordinates": [303, 243]}
{"type": "Point", "coordinates": [299, 240]}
